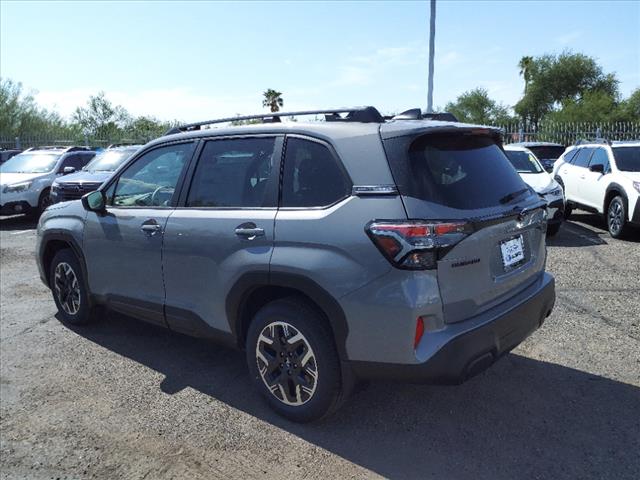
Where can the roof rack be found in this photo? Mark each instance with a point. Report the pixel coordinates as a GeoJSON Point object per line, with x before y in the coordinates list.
{"type": "Point", "coordinates": [416, 114]}
{"type": "Point", "coordinates": [123, 144]}
{"type": "Point", "coordinates": [57, 147]}
{"type": "Point", "coordinates": [599, 141]}
{"type": "Point", "coordinates": [353, 114]}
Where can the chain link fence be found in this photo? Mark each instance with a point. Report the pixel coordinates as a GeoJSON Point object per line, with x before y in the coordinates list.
{"type": "Point", "coordinates": [567, 133]}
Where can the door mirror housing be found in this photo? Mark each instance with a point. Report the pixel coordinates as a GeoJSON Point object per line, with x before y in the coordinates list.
{"type": "Point", "coordinates": [68, 170]}
{"type": "Point", "coordinates": [94, 201]}
{"type": "Point", "coordinates": [598, 167]}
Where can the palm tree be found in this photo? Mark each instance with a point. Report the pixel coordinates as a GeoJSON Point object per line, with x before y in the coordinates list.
{"type": "Point", "coordinates": [525, 65]}
{"type": "Point", "coordinates": [273, 100]}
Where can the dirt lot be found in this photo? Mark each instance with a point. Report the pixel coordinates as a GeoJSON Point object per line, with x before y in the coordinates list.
{"type": "Point", "coordinates": [121, 399]}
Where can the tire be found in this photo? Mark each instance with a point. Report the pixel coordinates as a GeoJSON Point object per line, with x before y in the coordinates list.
{"type": "Point", "coordinates": [553, 229]}
{"type": "Point", "coordinates": [319, 374]}
{"type": "Point", "coordinates": [616, 217]}
{"type": "Point", "coordinates": [69, 288]}
{"type": "Point", "coordinates": [43, 202]}
{"type": "Point", "coordinates": [567, 211]}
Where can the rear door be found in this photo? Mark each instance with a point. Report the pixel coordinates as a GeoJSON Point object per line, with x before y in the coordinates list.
{"type": "Point", "coordinates": [466, 177]}
{"type": "Point", "coordinates": [221, 230]}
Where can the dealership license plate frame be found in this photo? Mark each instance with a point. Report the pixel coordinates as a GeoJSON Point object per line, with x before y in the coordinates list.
{"type": "Point", "coordinates": [512, 252]}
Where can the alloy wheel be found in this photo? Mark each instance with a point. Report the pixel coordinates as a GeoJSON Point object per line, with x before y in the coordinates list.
{"type": "Point", "coordinates": [286, 363]}
{"type": "Point", "coordinates": [67, 288]}
{"type": "Point", "coordinates": [615, 217]}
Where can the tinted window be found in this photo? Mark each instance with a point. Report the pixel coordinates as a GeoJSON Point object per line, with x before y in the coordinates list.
{"type": "Point", "coordinates": [600, 157]}
{"type": "Point", "coordinates": [150, 181]}
{"type": "Point", "coordinates": [582, 158]}
{"type": "Point", "coordinates": [523, 162]}
{"type": "Point", "coordinates": [547, 152]}
{"type": "Point", "coordinates": [233, 173]}
{"type": "Point", "coordinates": [312, 176]}
{"type": "Point", "coordinates": [627, 158]}
{"type": "Point", "coordinates": [465, 172]}
{"type": "Point", "coordinates": [570, 155]}
{"type": "Point", "coordinates": [76, 160]}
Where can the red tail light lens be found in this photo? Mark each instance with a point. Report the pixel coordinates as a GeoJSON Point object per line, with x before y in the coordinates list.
{"type": "Point", "coordinates": [416, 245]}
{"type": "Point", "coordinates": [419, 332]}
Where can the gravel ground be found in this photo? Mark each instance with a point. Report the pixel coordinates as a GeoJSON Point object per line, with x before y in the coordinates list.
{"type": "Point", "coordinates": [121, 399]}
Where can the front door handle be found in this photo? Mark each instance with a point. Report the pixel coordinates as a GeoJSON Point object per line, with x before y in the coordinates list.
{"type": "Point", "coordinates": [150, 227]}
{"type": "Point", "coordinates": [249, 231]}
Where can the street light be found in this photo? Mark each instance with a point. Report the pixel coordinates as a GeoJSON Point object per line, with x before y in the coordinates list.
{"type": "Point", "coordinates": [432, 38]}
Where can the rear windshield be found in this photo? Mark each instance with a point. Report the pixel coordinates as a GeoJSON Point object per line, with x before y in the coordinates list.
{"type": "Point", "coordinates": [459, 171]}
{"type": "Point", "coordinates": [627, 158]}
{"type": "Point", "coordinates": [523, 161]}
{"type": "Point", "coordinates": [547, 152]}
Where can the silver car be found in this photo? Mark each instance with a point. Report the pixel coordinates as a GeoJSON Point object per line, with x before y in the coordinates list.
{"type": "Point", "coordinates": [355, 248]}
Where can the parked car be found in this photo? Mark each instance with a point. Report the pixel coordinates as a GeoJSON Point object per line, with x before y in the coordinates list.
{"type": "Point", "coordinates": [603, 178]}
{"type": "Point", "coordinates": [546, 152]}
{"type": "Point", "coordinates": [25, 180]}
{"type": "Point", "coordinates": [92, 175]}
{"type": "Point", "coordinates": [531, 171]}
{"type": "Point", "coordinates": [7, 154]}
{"type": "Point", "coordinates": [330, 251]}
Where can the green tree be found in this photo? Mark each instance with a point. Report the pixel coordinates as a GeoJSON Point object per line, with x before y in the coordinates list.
{"type": "Point", "coordinates": [475, 106]}
{"type": "Point", "coordinates": [552, 81]}
{"type": "Point", "coordinates": [146, 128]}
{"type": "Point", "coordinates": [100, 118]}
{"type": "Point", "coordinates": [272, 100]}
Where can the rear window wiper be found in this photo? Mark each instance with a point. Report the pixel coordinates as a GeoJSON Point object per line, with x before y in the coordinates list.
{"type": "Point", "coordinates": [512, 196]}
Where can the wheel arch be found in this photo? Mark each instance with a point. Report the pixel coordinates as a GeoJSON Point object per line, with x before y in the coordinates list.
{"type": "Point", "coordinates": [52, 243]}
{"type": "Point", "coordinates": [613, 190]}
{"type": "Point", "coordinates": [254, 290]}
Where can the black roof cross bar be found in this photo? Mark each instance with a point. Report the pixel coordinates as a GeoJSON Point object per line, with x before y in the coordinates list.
{"type": "Point", "coordinates": [354, 114]}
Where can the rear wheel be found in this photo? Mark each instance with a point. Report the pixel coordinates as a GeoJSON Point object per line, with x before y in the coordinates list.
{"type": "Point", "coordinates": [617, 217]}
{"type": "Point", "coordinates": [293, 360]}
{"type": "Point", "coordinates": [69, 289]}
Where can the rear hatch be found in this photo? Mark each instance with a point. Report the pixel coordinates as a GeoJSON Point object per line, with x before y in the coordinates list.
{"type": "Point", "coordinates": [461, 176]}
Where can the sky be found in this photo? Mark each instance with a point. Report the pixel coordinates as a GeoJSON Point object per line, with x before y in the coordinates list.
{"type": "Point", "coordinates": [195, 60]}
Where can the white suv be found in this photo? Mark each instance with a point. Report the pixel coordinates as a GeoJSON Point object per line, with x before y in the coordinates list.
{"type": "Point", "coordinates": [25, 180]}
{"type": "Point", "coordinates": [603, 178]}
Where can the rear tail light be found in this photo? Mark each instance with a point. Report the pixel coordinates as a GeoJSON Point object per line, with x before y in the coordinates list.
{"type": "Point", "coordinates": [416, 244]}
{"type": "Point", "coordinates": [419, 332]}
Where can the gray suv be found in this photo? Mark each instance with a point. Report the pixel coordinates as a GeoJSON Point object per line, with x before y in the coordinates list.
{"type": "Point", "coordinates": [360, 247]}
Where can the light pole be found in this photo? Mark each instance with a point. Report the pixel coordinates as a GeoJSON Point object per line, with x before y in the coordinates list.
{"type": "Point", "coordinates": [432, 39]}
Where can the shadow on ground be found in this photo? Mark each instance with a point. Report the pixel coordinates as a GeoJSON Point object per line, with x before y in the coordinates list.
{"type": "Point", "coordinates": [521, 419]}
{"type": "Point", "coordinates": [18, 222]}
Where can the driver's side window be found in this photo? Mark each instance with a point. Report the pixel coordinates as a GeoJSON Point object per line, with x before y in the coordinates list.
{"type": "Point", "coordinates": [151, 180]}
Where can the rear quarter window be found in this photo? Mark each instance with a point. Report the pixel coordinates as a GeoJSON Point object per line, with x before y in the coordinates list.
{"type": "Point", "coordinates": [459, 171]}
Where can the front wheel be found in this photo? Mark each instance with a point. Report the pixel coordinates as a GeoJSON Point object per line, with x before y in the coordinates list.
{"type": "Point", "coordinates": [69, 289]}
{"type": "Point", "coordinates": [43, 202]}
{"type": "Point", "coordinates": [553, 229]}
{"type": "Point", "coordinates": [293, 360]}
{"type": "Point", "coordinates": [617, 217]}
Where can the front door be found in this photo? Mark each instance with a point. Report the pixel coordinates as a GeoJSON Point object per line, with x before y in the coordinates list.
{"type": "Point", "coordinates": [594, 185]}
{"type": "Point", "coordinates": [222, 229]}
{"type": "Point", "coordinates": [123, 246]}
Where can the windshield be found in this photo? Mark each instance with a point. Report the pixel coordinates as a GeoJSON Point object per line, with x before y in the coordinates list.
{"type": "Point", "coordinates": [523, 161]}
{"type": "Point", "coordinates": [548, 152]}
{"type": "Point", "coordinates": [30, 163]}
{"type": "Point", "coordinates": [465, 172]}
{"type": "Point", "coordinates": [627, 158]}
{"type": "Point", "coordinates": [109, 160]}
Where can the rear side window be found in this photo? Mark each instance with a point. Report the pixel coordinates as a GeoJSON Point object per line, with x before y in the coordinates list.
{"type": "Point", "coordinates": [312, 176]}
{"type": "Point", "coordinates": [464, 172]}
{"type": "Point", "coordinates": [547, 152]}
{"type": "Point", "coordinates": [233, 173]}
{"type": "Point", "coordinates": [582, 158]}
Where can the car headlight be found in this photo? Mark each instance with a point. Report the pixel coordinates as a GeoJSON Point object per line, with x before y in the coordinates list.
{"type": "Point", "coordinates": [636, 185]}
{"type": "Point", "coordinates": [17, 187]}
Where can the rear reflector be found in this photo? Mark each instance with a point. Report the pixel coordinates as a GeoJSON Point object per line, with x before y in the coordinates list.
{"type": "Point", "coordinates": [419, 332]}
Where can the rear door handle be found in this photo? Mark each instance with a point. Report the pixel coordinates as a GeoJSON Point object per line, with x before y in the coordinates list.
{"type": "Point", "coordinates": [150, 227]}
{"type": "Point", "coordinates": [249, 231]}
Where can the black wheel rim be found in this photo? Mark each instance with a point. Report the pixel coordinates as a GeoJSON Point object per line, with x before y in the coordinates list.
{"type": "Point", "coordinates": [45, 201]}
{"type": "Point", "coordinates": [286, 363]}
{"type": "Point", "coordinates": [615, 217]}
{"type": "Point", "coordinates": [67, 288]}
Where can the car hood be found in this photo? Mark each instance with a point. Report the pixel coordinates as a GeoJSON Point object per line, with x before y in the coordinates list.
{"type": "Point", "coordinates": [540, 182]}
{"type": "Point", "coordinates": [10, 178]}
{"type": "Point", "coordinates": [634, 176]}
{"type": "Point", "coordinates": [85, 177]}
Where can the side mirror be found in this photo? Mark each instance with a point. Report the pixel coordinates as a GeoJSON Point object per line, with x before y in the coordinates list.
{"type": "Point", "coordinates": [68, 170]}
{"type": "Point", "coordinates": [598, 167]}
{"type": "Point", "coordinates": [94, 201]}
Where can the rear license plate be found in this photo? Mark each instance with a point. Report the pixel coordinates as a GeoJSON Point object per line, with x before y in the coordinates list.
{"type": "Point", "coordinates": [512, 251]}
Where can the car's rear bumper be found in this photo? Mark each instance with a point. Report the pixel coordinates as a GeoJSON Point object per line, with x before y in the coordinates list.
{"type": "Point", "coordinates": [470, 347]}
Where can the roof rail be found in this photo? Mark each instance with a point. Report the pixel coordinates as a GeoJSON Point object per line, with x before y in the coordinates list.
{"type": "Point", "coordinates": [123, 144]}
{"type": "Point", "coordinates": [416, 114]}
{"type": "Point", "coordinates": [599, 141]}
{"type": "Point", "coordinates": [66, 148]}
{"type": "Point", "coordinates": [354, 114]}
